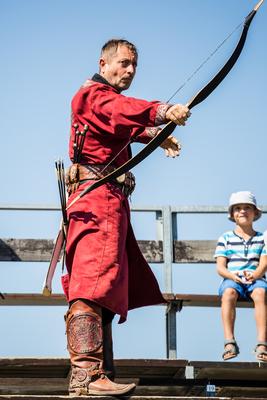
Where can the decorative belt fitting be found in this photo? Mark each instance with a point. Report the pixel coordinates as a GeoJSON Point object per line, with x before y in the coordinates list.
{"type": "Point", "coordinates": [78, 173]}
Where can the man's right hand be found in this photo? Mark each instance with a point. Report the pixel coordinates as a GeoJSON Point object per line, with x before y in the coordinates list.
{"type": "Point", "coordinates": [178, 114]}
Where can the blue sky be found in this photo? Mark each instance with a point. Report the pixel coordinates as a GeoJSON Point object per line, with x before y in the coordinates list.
{"type": "Point", "coordinates": [48, 49]}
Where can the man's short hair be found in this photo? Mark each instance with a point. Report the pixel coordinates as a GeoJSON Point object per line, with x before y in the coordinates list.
{"type": "Point", "coordinates": [111, 47]}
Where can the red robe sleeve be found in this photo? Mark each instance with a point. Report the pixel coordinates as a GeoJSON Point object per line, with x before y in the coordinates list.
{"type": "Point", "coordinates": [145, 135]}
{"type": "Point", "coordinates": [115, 113]}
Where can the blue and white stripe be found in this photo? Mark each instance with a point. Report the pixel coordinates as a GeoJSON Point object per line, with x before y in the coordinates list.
{"type": "Point", "coordinates": [241, 255]}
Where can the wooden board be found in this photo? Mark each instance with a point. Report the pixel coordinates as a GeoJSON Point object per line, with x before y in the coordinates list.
{"type": "Point", "coordinates": [57, 299]}
{"type": "Point", "coordinates": [35, 250]}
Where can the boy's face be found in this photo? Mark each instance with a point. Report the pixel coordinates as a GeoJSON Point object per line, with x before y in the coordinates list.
{"type": "Point", "coordinates": [244, 214]}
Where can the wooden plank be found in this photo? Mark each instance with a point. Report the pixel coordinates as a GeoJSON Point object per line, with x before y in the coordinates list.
{"type": "Point", "coordinates": [207, 300]}
{"type": "Point", "coordinates": [32, 299]}
{"type": "Point", "coordinates": [25, 249]}
{"type": "Point", "coordinates": [243, 392]}
{"type": "Point", "coordinates": [194, 251]}
{"type": "Point", "coordinates": [137, 368]}
{"type": "Point", "coordinates": [184, 300]}
{"type": "Point", "coordinates": [44, 377]}
{"type": "Point", "coordinates": [152, 369]}
{"type": "Point", "coordinates": [34, 386]}
{"type": "Point", "coordinates": [34, 367]}
{"type": "Point", "coordinates": [53, 397]}
{"type": "Point", "coordinates": [246, 371]}
{"type": "Point", "coordinates": [52, 387]}
{"type": "Point", "coordinates": [36, 299]}
{"type": "Point", "coordinates": [39, 250]}
{"type": "Point", "coordinates": [152, 250]}
{"type": "Point", "coordinates": [138, 397]}
{"type": "Point", "coordinates": [59, 367]}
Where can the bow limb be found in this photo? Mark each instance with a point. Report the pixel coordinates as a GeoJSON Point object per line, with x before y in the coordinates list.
{"type": "Point", "coordinates": [169, 127]}
{"type": "Point", "coordinates": [218, 78]}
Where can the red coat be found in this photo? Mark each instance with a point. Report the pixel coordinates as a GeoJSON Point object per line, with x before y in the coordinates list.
{"type": "Point", "coordinates": [103, 259]}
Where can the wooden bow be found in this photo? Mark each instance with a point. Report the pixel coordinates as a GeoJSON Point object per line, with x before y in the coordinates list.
{"type": "Point", "coordinates": [169, 127]}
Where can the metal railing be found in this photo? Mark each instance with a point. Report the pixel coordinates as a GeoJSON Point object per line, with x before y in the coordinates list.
{"type": "Point", "coordinates": [167, 232]}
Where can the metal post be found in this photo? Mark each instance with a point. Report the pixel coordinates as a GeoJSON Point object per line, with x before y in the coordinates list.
{"type": "Point", "coordinates": [167, 247]}
{"type": "Point", "coordinates": [159, 225]}
{"type": "Point", "coordinates": [171, 310]}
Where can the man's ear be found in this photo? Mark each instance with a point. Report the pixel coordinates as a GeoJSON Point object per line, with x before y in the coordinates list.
{"type": "Point", "coordinates": [102, 63]}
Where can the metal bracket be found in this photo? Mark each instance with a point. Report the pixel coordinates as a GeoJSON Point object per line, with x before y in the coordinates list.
{"type": "Point", "coordinates": [189, 372]}
{"type": "Point", "coordinates": [171, 342]}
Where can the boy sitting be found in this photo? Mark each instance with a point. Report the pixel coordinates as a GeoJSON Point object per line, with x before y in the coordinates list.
{"type": "Point", "coordinates": [241, 258]}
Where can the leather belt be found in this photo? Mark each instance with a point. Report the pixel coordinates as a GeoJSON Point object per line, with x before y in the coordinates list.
{"type": "Point", "coordinates": [78, 174]}
{"type": "Point", "coordinates": [94, 172]}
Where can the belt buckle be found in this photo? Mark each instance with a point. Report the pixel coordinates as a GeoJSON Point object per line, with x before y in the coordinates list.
{"type": "Point", "coordinates": [121, 179]}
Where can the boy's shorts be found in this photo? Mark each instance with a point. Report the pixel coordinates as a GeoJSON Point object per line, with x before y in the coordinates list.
{"type": "Point", "coordinates": [243, 290]}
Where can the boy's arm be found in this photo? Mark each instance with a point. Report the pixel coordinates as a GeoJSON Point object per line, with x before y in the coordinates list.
{"type": "Point", "coordinates": [223, 271]}
{"type": "Point", "coordinates": [260, 270]}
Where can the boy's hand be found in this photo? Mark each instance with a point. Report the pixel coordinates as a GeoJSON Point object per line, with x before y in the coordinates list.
{"type": "Point", "coordinates": [236, 278]}
{"type": "Point", "coordinates": [251, 276]}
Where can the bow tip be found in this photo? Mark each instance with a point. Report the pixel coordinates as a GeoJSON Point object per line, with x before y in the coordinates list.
{"type": "Point", "coordinates": [257, 6]}
{"type": "Point", "coordinates": [46, 291]}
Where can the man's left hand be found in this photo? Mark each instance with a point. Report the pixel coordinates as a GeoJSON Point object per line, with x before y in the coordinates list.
{"type": "Point", "coordinates": [171, 146]}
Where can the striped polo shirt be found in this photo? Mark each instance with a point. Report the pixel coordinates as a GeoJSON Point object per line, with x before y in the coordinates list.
{"type": "Point", "coordinates": [241, 254]}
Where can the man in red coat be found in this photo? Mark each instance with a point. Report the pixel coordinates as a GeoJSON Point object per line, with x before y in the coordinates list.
{"type": "Point", "coordinates": [107, 273]}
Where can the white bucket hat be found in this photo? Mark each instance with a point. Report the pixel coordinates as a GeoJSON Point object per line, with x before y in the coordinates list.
{"type": "Point", "coordinates": [243, 198]}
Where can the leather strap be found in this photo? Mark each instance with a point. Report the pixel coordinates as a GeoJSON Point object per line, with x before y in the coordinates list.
{"type": "Point", "coordinates": [94, 172]}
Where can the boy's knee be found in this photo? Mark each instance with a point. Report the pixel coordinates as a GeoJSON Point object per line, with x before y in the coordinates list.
{"type": "Point", "coordinates": [229, 295]}
{"type": "Point", "coordinates": [258, 295]}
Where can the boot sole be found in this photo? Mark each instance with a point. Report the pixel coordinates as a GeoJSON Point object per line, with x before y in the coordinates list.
{"type": "Point", "coordinates": [112, 392]}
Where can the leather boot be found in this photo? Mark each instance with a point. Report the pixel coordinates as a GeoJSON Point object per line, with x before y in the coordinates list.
{"type": "Point", "coordinates": [85, 345]}
{"type": "Point", "coordinates": [108, 362]}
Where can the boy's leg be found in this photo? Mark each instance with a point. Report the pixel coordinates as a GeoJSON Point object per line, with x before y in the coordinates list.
{"type": "Point", "coordinates": [258, 296]}
{"type": "Point", "coordinates": [229, 299]}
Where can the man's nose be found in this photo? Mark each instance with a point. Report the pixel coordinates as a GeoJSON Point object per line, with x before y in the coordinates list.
{"type": "Point", "coordinates": [131, 69]}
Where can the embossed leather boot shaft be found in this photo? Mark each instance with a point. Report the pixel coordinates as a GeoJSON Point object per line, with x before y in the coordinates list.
{"type": "Point", "coordinates": [85, 344]}
{"type": "Point", "coordinates": [84, 335]}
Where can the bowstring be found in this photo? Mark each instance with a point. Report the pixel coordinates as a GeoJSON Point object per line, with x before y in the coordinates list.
{"type": "Point", "coordinates": [115, 157]}
{"type": "Point", "coordinates": [179, 89]}
{"type": "Point", "coordinates": [184, 84]}
{"type": "Point", "coordinates": [204, 62]}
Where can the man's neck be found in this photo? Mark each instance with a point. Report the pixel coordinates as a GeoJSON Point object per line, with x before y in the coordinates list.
{"type": "Point", "coordinates": [100, 79]}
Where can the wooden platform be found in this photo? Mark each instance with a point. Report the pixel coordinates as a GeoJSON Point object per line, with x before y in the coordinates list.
{"type": "Point", "coordinates": [55, 397]}
{"type": "Point", "coordinates": [154, 378]}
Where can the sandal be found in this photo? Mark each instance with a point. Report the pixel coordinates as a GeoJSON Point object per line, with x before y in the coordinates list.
{"type": "Point", "coordinates": [232, 351]}
{"type": "Point", "coordinates": [261, 353]}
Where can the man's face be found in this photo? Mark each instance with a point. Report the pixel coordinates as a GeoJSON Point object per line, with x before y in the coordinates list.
{"type": "Point", "coordinates": [119, 68]}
